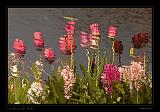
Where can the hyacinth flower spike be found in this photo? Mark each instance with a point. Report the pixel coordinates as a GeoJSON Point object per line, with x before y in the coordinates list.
{"type": "Point", "coordinates": [94, 44]}
{"type": "Point", "coordinates": [85, 44]}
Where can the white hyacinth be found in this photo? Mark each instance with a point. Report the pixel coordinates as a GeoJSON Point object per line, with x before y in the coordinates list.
{"type": "Point", "coordinates": [37, 94]}
{"type": "Point", "coordinates": [14, 70]}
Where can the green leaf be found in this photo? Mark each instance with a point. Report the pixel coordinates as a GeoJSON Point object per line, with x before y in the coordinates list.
{"type": "Point", "coordinates": [120, 87]}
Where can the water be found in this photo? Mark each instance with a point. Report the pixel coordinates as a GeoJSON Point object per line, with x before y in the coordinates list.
{"type": "Point", "coordinates": [23, 22]}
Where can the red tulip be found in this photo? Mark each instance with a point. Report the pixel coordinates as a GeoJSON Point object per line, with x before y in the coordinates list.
{"type": "Point", "coordinates": [118, 47]}
{"type": "Point", "coordinates": [38, 40]}
{"type": "Point", "coordinates": [94, 28]}
{"type": "Point", "coordinates": [49, 55]}
{"type": "Point", "coordinates": [19, 46]}
{"type": "Point", "coordinates": [112, 32]}
{"type": "Point", "coordinates": [65, 44]}
{"type": "Point", "coordinates": [139, 40]}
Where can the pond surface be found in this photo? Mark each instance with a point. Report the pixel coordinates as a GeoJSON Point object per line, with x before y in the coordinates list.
{"type": "Point", "coordinates": [23, 22]}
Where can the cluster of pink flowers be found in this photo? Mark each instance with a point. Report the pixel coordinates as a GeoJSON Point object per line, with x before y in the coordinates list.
{"type": "Point", "coordinates": [94, 36]}
{"type": "Point", "coordinates": [133, 72]}
{"type": "Point", "coordinates": [110, 74]}
{"type": "Point", "coordinates": [69, 80]}
{"type": "Point", "coordinates": [84, 39]}
{"type": "Point", "coordinates": [67, 43]}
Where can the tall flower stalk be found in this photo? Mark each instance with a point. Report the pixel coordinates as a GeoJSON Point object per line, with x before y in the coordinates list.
{"type": "Point", "coordinates": [112, 31]}
{"type": "Point", "coordinates": [95, 38]}
{"type": "Point", "coordinates": [85, 44]}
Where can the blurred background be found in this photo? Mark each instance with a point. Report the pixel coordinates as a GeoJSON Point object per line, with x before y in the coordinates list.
{"type": "Point", "coordinates": [23, 22]}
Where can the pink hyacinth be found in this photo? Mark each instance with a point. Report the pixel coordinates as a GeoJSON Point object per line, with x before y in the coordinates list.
{"type": "Point", "coordinates": [94, 28]}
{"type": "Point", "coordinates": [19, 47]}
{"type": "Point", "coordinates": [38, 40]}
{"type": "Point", "coordinates": [70, 28]}
{"type": "Point", "coordinates": [69, 80]}
{"type": "Point", "coordinates": [84, 39]}
{"type": "Point", "coordinates": [112, 32]}
{"type": "Point", "coordinates": [134, 72]}
{"type": "Point", "coordinates": [49, 55]}
{"type": "Point", "coordinates": [109, 75]}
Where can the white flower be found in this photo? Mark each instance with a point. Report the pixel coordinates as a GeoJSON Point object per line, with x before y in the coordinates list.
{"type": "Point", "coordinates": [118, 99]}
{"type": "Point", "coordinates": [14, 70]}
{"type": "Point", "coordinates": [17, 102]}
{"type": "Point", "coordinates": [23, 84]}
{"type": "Point", "coordinates": [37, 91]}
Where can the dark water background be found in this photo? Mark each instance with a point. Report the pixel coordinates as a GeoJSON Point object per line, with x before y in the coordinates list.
{"type": "Point", "coordinates": [23, 22]}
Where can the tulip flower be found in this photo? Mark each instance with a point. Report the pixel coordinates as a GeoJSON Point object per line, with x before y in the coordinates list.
{"type": "Point", "coordinates": [19, 47]}
{"type": "Point", "coordinates": [49, 55]}
{"type": "Point", "coordinates": [38, 40]}
{"type": "Point", "coordinates": [139, 40]}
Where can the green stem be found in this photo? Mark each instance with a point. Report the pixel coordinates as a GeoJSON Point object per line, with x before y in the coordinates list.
{"type": "Point", "coordinates": [88, 60]}
{"type": "Point", "coordinates": [112, 52]}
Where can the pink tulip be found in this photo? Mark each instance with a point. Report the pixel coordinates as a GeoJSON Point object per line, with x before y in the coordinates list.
{"type": "Point", "coordinates": [49, 55]}
{"type": "Point", "coordinates": [19, 46]}
{"type": "Point", "coordinates": [38, 40]}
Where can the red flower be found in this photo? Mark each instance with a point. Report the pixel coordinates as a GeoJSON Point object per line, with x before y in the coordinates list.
{"type": "Point", "coordinates": [112, 32]}
{"type": "Point", "coordinates": [38, 40]}
{"type": "Point", "coordinates": [67, 44]}
{"type": "Point", "coordinates": [19, 46]}
{"type": "Point", "coordinates": [139, 40]}
{"type": "Point", "coordinates": [49, 55]}
{"type": "Point", "coordinates": [118, 47]}
{"type": "Point", "coordinates": [94, 28]}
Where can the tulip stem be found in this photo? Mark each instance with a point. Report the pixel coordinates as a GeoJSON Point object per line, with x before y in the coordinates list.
{"type": "Point", "coordinates": [112, 54]}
